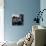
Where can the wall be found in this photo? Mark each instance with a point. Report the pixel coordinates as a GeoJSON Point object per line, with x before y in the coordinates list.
{"type": "Point", "coordinates": [1, 20]}
{"type": "Point", "coordinates": [28, 8]}
{"type": "Point", "coordinates": [43, 6]}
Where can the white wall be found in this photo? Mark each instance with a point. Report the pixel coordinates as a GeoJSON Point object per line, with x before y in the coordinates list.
{"type": "Point", "coordinates": [1, 20]}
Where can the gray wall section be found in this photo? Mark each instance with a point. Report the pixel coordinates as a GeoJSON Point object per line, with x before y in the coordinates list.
{"type": "Point", "coordinates": [43, 6]}
{"type": "Point", "coordinates": [28, 8]}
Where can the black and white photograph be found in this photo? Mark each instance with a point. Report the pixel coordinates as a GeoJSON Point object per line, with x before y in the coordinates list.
{"type": "Point", "coordinates": [18, 20]}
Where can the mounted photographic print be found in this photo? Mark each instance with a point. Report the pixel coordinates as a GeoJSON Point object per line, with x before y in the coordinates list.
{"type": "Point", "coordinates": [18, 19]}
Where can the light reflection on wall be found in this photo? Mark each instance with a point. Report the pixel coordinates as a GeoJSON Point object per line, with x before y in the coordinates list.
{"type": "Point", "coordinates": [1, 21]}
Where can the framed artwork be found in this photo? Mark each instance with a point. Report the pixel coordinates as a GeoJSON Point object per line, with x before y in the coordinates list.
{"type": "Point", "coordinates": [18, 19]}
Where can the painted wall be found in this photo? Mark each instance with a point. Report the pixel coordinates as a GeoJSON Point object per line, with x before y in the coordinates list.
{"type": "Point", "coordinates": [1, 20]}
{"type": "Point", "coordinates": [28, 8]}
{"type": "Point", "coordinates": [43, 6]}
